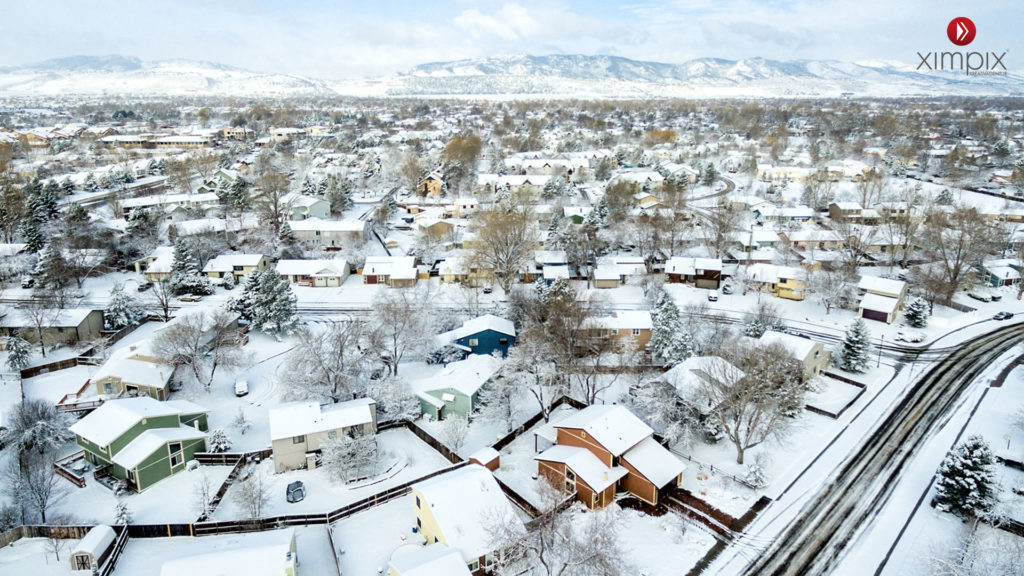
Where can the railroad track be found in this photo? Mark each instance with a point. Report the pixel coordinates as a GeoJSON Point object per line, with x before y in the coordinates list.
{"type": "Point", "coordinates": [815, 542]}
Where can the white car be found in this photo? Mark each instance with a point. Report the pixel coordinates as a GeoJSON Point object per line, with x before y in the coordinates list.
{"type": "Point", "coordinates": [713, 296]}
{"type": "Point", "coordinates": [241, 387]}
{"type": "Point", "coordinates": [910, 336]}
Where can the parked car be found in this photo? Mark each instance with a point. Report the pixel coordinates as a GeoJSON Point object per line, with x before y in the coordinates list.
{"type": "Point", "coordinates": [909, 336]}
{"type": "Point", "coordinates": [1003, 316]}
{"type": "Point", "coordinates": [980, 295]}
{"type": "Point", "coordinates": [488, 290]}
{"type": "Point", "coordinates": [241, 387]}
{"type": "Point", "coordinates": [190, 298]}
{"type": "Point", "coordinates": [27, 281]}
{"type": "Point", "coordinates": [296, 492]}
{"type": "Point", "coordinates": [713, 296]}
{"type": "Point", "coordinates": [726, 288]}
{"type": "Point", "coordinates": [145, 286]}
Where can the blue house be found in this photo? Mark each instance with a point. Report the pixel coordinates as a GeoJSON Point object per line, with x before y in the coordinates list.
{"type": "Point", "coordinates": [482, 335]}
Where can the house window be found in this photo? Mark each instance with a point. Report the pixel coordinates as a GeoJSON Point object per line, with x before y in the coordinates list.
{"type": "Point", "coordinates": [817, 353]}
{"type": "Point", "coordinates": [636, 331]}
{"type": "Point", "coordinates": [503, 341]}
{"type": "Point", "coordinates": [419, 523]}
{"type": "Point", "coordinates": [474, 341]}
{"type": "Point", "coordinates": [417, 501]}
{"type": "Point", "coordinates": [569, 475]}
{"type": "Point", "coordinates": [298, 439]}
{"type": "Point", "coordinates": [174, 447]}
{"type": "Point", "coordinates": [474, 565]}
{"type": "Point", "coordinates": [594, 499]}
{"type": "Point", "coordinates": [176, 459]}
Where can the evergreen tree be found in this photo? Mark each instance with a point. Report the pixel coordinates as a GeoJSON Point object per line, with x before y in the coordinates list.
{"type": "Point", "coordinates": [916, 314]}
{"type": "Point", "coordinates": [181, 258]}
{"type": "Point", "coordinates": [598, 217]}
{"type": "Point", "coordinates": [90, 184]}
{"type": "Point", "coordinates": [668, 340]}
{"type": "Point", "coordinates": [855, 348]}
{"type": "Point", "coordinates": [339, 194]}
{"type": "Point", "coordinates": [123, 310]}
{"type": "Point", "coordinates": [965, 483]}
{"type": "Point", "coordinates": [19, 353]}
{"type": "Point", "coordinates": [122, 515]}
{"type": "Point", "coordinates": [67, 187]}
{"type": "Point", "coordinates": [267, 302]}
{"type": "Point", "coordinates": [554, 187]}
{"type": "Point", "coordinates": [708, 175]}
{"type": "Point", "coordinates": [218, 441]}
{"type": "Point", "coordinates": [32, 235]}
{"type": "Point", "coordinates": [185, 276]}
{"type": "Point", "coordinates": [52, 268]}
{"type": "Point", "coordinates": [287, 243]}
{"type": "Point", "coordinates": [308, 186]}
{"type": "Point", "coordinates": [556, 223]}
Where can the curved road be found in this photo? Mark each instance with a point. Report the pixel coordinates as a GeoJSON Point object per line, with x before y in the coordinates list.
{"type": "Point", "coordinates": [814, 543]}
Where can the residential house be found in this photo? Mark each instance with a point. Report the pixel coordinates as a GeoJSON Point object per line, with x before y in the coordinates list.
{"type": "Point", "coordinates": [456, 388]}
{"type": "Point", "coordinates": [298, 429]}
{"type": "Point", "coordinates": [236, 265]}
{"type": "Point", "coordinates": [604, 448]}
{"type": "Point", "coordinates": [66, 326]}
{"type": "Point", "coordinates": [287, 134]}
{"type": "Point", "coordinates": [268, 553]}
{"type": "Point", "coordinates": [779, 281]}
{"type": "Point", "coordinates": [319, 273]}
{"type": "Point", "coordinates": [330, 233]}
{"type": "Point", "coordinates": [701, 272]}
{"type": "Point", "coordinates": [157, 266]}
{"type": "Point", "coordinates": [238, 133]}
{"type": "Point", "coordinates": [454, 509]}
{"type": "Point", "coordinates": [622, 329]}
{"type": "Point", "coordinates": [142, 440]}
{"type": "Point", "coordinates": [462, 268]}
{"type": "Point", "coordinates": [394, 271]}
{"type": "Point", "coordinates": [810, 240]}
{"type": "Point", "coordinates": [845, 211]}
{"type": "Point", "coordinates": [522, 184]}
{"type": "Point", "coordinates": [167, 203]}
{"type": "Point", "coordinates": [880, 308]}
{"type": "Point", "coordinates": [883, 287]}
{"type": "Point", "coordinates": [795, 214]}
{"type": "Point", "coordinates": [432, 185]}
{"type": "Point", "coordinates": [485, 334]}
{"type": "Point", "coordinates": [811, 354]}
{"type": "Point", "coordinates": [301, 207]}
{"type": "Point", "coordinates": [435, 560]}
{"type": "Point", "coordinates": [462, 207]}
{"type": "Point", "coordinates": [134, 370]}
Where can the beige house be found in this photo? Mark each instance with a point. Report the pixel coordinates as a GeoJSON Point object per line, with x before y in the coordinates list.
{"type": "Point", "coordinates": [624, 328]}
{"type": "Point", "coordinates": [811, 354]}
{"type": "Point", "coordinates": [65, 326]}
{"type": "Point", "coordinates": [395, 271]}
{"type": "Point", "coordinates": [236, 265]}
{"type": "Point", "coordinates": [298, 429]}
{"type": "Point", "coordinates": [157, 266]}
{"type": "Point", "coordinates": [330, 233]}
{"type": "Point", "coordinates": [319, 273]}
{"type": "Point", "coordinates": [134, 371]}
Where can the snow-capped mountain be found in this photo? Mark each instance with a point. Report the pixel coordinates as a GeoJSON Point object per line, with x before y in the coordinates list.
{"type": "Point", "coordinates": [552, 76]}
{"type": "Point", "coordinates": [125, 75]}
{"type": "Point", "coordinates": [612, 76]}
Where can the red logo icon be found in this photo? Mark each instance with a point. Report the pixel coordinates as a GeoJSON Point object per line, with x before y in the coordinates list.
{"type": "Point", "coordinates": [961, 31]}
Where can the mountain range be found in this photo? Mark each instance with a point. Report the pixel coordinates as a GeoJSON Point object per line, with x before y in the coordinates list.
{"type": "Point", "coordinates": [511, 76]}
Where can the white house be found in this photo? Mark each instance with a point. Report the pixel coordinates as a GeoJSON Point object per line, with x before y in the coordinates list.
{"type": "Point", "coordinates": [297, 429]}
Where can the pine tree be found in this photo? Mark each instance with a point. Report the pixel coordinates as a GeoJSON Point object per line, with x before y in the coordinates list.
{"type": "Point", "coordinates": [218, 441]}
{"type": "Point", "coordinates": [122, 515]}
{"type": "Point", "coordinates": [52, 268]}
{"type": "Point", "coordinates": [181, 257]}
{"type": "Point", "coordinates": [67, 187]}
{"type": "Point", "coordinates": [19, 353]}
{"type": "Point", "coordinates": [916, 314]}
{"type": "Point", "coordinates": [123, 310]}
{"type": "Point", "coordinates": [708, 175]}
{"type": "Point", "coordinates": [90, 184]}
{"type": "Point", "coordinates": [287, 243]}
{"type": "Point", "coordinates": [965, 483]}
{"type": "Point", "coordinates": [32, 235]}
{"type": "Point", "coordinates": [185, 276]}
{"type": "Point", "coordinates": [267, 302]}
{"type": "Point", "coordinates": [855, 348]}
{"type": "Point", "coordinates": [668, 340]}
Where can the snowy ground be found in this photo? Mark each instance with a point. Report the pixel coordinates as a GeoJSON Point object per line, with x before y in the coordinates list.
{"type": "Point", "coordinates": [412, 459]}
{"type": "Point", "coordinates": [145, 556]}
{"type": "Point", "coordinates": [831, 395]}
{"type": "Point", "coordinates": [366, 540]}
{"type": "Point", "coordinates": [517, 464]}
{"type": "Point", "coordinates": [31, 556]}
{"type": "Point", "coordinates": [661, 545]}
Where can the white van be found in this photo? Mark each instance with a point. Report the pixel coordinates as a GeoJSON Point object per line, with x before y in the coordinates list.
{"type": "Point", "coordinates": [241, 387]}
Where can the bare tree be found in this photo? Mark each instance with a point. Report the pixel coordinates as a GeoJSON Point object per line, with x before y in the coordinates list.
{"type": "Point", "coordinates": [162, 295]}
{"type": "Point", "coordinates": [270, 198]}
{"type": "Point", "coordinates": [453, 431]}
{"type": "Point", "coordinates": [252, 493]}
{"type": "Point", "coordinates": [203, 492]}
{"type": "Point", "coordinates": [857, 241]}
{"type": "Point", "coordinates": [721, 225]}
{"type": "Point", "coordinates": [204, 162]}
{"type": "Point", "coordinates": [988, 553]}
{"type": "Point", "coordinates": [179, 172]}
{"type": "Point", "coordinates": [559, 544]}
{"type": "Point", "coordinates": [831, 287]}
{"type": "Point", "coordinates": [329, 364]}
{"type": "Point", "coordinates": [871, 187]}
{"type": "Point", "coordinates": [352, 458]}
{"type": "Point", "coordinates": [41, 311]}
{"type": "Point", "coordinates": [402, 324]}
{"type": "Point", "coordinates": [202, 342]}
{"type": "Point", "coordinates": [954, 241]}
{"type": "Point", "coordinates": [901, 231]}
{"type": "Point", "coordinates": [530, 364]}
{"type": "Point", "coordinates": [499, 402]}
{"type": "Point", "coordinates": [757, 405]}
{"type": "Point", "coordinates": [32, 481]}
{"type": "Point", "coordinates": [504, 243]}
{"type": "Point", "coordinates": [56, 545]}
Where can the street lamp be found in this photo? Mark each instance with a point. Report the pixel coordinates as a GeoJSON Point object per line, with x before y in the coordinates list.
{"type": "Point", "coordinates": [882, 343]}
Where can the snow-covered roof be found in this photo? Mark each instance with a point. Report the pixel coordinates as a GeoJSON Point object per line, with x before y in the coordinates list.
{"type": "Point", "coordinates": [654, 462]}
{"type": "Point", "coordinates": [314, 224]}
{"type": "Point", "coordinates": [394, 266]}
{"type": "Point", "coordinates": [162, 260]}
{"type": "Point", "coordinates": [614, 427]}
{"type": "Point", "coordinates": [485, 455]}
{"type": "Point", "coordinates": [466, 376]}
{"type": "Point", "coordinates": [687, 376]}
{"type": "Point", "coordinates": [463, 502]}
{"type": "Point", "coordinates": [433, 560]}
{"type": "Point", "coordinates": [310, 267]}
{"type": "Point", "coordinates": [772, 273]}
{"type": "Point", "coordinates": [150, 441]}
{"type": "Point", "coordinates": [555, 272]}
{"type": "Point", "coordinates": [622, 320]}
{"type": "Point", "coordinates": [607, 271]}
{"type": "Point", "coordinates": [1003, 272]}
{"type": "Point", "coordinates": [114, 417]}
{"type": "Point", "coordinates": [879, 303]}
{"type": "Point", "coordinates": [96, 541]}
{"type": "Point", "coordinates": [165, 199]}
{"type": "Point", "coordinates": [585, 465]}
{"type": "Point", "coordinates": [881, 285]}
{"type": "Point", "coordinates": [550, 257]}
{"type": "Point", "coordinates": [685, 265]}
{"type": "Point", "coordinates": [257, 554]}
{"type": "Point", "coordinates": [299, 418]}
{"type": "Point", "coordinates": [125, 365]}
{"type": "Point", "coordinates": [227, 262]}
{"type": "Point", "coordinates": [478, 325]}
{"type": "Point", "coordinates": [66, 318]}
{"type": "Point", "coordinates": [7, 249]}
{"type": "Point", "coordinates": [797, 345]}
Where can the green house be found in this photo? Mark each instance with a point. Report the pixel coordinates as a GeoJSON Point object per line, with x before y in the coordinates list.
{"type": "Point", "coordinates": [456, 388]}
{"type": "Point", "coordinates": [142, 440]}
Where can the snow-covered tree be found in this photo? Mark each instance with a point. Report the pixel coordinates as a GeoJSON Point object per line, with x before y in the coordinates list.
{"type": "Point", "coordinates": [855, 349]}
{"type": "Point", "coordinates": [287, 243]}
{"type": "Point", "coordinates": [762, 318]}
{"type": "Point", "coordinates": [252, 493]}
{"type": "Point", "coordinates": [498, 402]}
{"type": "Point", "coordinates": [203, 492]}
{"type": "Point", "coordinates": [965, 483]}
{"type": "Point", "coordinates": [52, 269]}
{"type": "Point", "coordinates": [185, 276]}
{"type": "Point", "coordinates": [668, 340]}
{"type": "Point", "coordinates": [19, 353]}
{"type": "Point", "coordinates": [32, 235]}
{"type": "Point", "coordinates": [201, 342]}
{"type": "Point", "coordinates": [756, 474]}
{"type": "Point", "coordinates": [218, 441]}
{"type": "Point", "coordinates": [916, 313]}
{"type": "Point", "coordinates": [240, 421]}
{"type": "Point", "coordinates": [123, 310]}
{"type": "Point", "coordinates": [267, 302]}
{"type": "Point", "coordinates": [122, 515]}
{"type": "Point", "coordinates": [332, 364]}
{"type": "Point", "coordinates": [453, 431]}
{"type": "Point", "coordinates": [36, 426]}
{"type": "Point", "coordinates": [351, 458]}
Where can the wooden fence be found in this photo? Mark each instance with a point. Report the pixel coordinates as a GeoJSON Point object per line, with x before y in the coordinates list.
{"type": "Point", "coordinates": [110, 562]}
{"type": "Point", "coordinates": [713, 469]}
{"type": "Point", "coordinates": [231, 458]}
{"type": "Point", "coordinates": [536, 418]}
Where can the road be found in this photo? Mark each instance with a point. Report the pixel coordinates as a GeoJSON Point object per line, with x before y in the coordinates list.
{"type": "Point", "coordinates": [851, 498]}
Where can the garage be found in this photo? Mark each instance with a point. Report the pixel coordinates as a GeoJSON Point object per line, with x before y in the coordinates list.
{"type": "Point", "coordinates": [879, 308]}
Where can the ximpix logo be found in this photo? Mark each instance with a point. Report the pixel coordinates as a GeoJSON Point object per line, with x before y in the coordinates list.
{"type": "Point", "coordinates": [961, 31]}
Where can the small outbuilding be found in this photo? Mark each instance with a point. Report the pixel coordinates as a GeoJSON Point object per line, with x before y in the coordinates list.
{"type": "Point", "coordinates": [92, 550]}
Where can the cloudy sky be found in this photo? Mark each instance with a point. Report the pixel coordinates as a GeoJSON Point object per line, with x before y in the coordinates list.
{"type": "Point", "coordinates": [342, 38]}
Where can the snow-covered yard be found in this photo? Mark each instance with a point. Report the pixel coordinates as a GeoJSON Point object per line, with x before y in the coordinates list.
{"type": "Point", "coordinates": [661, 545]}
{"type": "Point", "coordinates": [412, 458]}
{"type": "Point", "coordinates": [31, 556]}
{"type": "Point", "coordinates": [366, 540]}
